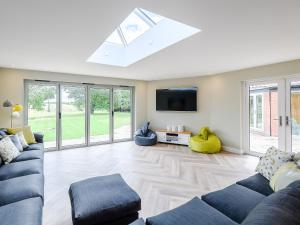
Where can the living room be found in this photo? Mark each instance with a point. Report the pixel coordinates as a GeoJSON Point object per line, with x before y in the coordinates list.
{"type": "Point", "coordinates": [144, 112]}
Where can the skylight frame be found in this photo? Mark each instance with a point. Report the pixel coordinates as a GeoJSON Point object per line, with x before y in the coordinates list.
{"type": "Point", "coordinates": [163, 33]}
{"type": "Point", "coordinates": [143, 16]}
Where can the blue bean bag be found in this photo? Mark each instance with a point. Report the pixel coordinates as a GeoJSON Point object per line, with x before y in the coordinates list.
{"type": "Point", "coordinates": [145, 136]}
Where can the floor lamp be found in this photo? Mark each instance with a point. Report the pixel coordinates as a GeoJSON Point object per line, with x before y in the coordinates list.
{"type": "Point", "coordinates": [14, 110]}
{"type": "Point", "coordinates": [8, 104]}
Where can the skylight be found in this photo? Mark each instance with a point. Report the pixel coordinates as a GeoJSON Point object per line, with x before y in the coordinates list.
{"type": "Point", "coordinates": [141, 34]}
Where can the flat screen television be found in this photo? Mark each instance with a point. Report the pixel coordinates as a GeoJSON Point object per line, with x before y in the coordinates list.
{"type": "Point", "coordinates": [176, 99]}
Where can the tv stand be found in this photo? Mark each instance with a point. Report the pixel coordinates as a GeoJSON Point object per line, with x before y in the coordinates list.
{"type": "Point", "coordinates": [179, 138]}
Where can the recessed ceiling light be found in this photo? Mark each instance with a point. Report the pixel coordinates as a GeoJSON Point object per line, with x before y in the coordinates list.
{"type": "Point", "coordinates": [141, 34]}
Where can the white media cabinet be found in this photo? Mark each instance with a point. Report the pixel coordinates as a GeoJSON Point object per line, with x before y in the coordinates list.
{"type": "Point", "coordinates": [179, 138]}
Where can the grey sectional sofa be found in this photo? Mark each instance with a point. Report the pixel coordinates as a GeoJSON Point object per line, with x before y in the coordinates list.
{"type": "Point", "coordinates": [22, 187]}
{"type": "Point", "coordinates": [248, 202]}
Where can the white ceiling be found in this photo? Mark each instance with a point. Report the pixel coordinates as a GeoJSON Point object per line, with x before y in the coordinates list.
{"type": "Point", "coordinates": [59, 35]}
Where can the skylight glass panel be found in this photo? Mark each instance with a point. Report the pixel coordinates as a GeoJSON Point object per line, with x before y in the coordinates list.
{"type": "Point", "coordinates": [133, 27]}
{"type": "Point", "coordinates": [153, 16]}
{"type": "Point", "coordinates": [141, 34]}
{"type": "Point", "coordinates": [115, 38]}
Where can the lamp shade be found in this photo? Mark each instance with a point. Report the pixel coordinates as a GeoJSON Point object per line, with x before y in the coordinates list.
{"type": "Point", "coordinates": [17, 108]}
{"type": "Point", "coordinates": [7, 103]}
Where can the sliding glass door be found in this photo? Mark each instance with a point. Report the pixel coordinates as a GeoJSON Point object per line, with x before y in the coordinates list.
{"type": "Point", "coordinates": [272, 115]}
{"type": "Point", "coordinates": [41, 114]}
{"type": "Point", "coordinates": [122, 113]}
{"type": "Point", "coordinates": [71, 114]}
{"type": "Point", "coordinates": [100, 116]}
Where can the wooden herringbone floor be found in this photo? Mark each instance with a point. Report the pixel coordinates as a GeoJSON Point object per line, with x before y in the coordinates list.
{"type": "Point", "coordinates": [165, 176]}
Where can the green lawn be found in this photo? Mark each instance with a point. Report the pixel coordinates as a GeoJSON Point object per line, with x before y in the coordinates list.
{"type": "Point", "coordinates": [73, 126]}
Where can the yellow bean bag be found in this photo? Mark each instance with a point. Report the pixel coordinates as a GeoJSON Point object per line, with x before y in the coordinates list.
{"type": "Point", "coordinates": [205, 142]}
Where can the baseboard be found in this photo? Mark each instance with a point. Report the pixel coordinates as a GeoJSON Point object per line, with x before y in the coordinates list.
{"type": "Point", "coordinates": [232, 150]}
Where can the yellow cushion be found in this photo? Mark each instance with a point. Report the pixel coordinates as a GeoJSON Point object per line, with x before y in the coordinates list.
{"type": "Point", "coordinates": [27, 132]}
{"type": "Point", "coordinates": [204, 132]}
{"type": "Point", "coordinates": [285, 175]}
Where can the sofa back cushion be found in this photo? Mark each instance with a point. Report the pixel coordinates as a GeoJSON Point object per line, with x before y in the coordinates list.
{"type": "Point", "coordinates": [27, 132]}
{"type": "Point", "coordinates": [280, 208]}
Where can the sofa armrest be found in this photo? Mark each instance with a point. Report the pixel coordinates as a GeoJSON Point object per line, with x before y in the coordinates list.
{"type": "Point", "coordinates": [39, 137]}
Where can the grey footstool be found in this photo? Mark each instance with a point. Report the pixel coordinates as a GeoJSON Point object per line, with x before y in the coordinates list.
{"type": "Point", "coordinates": [106, 200]}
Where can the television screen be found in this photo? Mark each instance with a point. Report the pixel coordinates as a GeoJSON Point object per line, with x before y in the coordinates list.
{"type": "Point", "coordinates": [176, 99]}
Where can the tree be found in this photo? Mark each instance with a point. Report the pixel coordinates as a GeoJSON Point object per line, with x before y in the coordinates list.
{"type": "Point", "coordinates": [78, 95]}
{"type": "Point", "coordinates": [99, 98]}
{"type": "Point", "coordinates": [38, 95]}
{"type": "Point", "coordinates": [122, 99]}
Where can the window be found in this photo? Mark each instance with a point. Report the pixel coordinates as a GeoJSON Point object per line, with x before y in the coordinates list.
{"type": "Point", "coordinates": [256, 110]}
{"type": "Point", "coordinates": [141, 34]}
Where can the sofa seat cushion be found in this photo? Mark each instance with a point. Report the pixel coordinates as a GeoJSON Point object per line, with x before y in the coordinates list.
{"type": "Point", "coordinates": [29, 155]}
{"type": "Point", "coordinates": [194, 212]}
{"type": "Point", "coordinates": [235, 201]}
{"type": "Point", "coordinates": [21, 188]}
{"type": "Point", "coordinates": [25, 212]}
{"type": "Point", "coordinates": [257, 183]}
{"type": "Point", "coordinates": [22, 168]}
{"type": "Point", "coordinates": [37, 146]}
{"type": "Point", "coordinates": [280, 208]}
{"type": "Point", "coordinates": [102, 200]}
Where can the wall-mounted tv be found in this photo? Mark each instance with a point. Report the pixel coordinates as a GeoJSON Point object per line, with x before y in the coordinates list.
{"type": "Point", "coordinates": [176, 99]}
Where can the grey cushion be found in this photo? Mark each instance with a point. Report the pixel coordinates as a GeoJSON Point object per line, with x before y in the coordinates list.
{"type": "Point", "coordinates": [145, 128]}
{"type": "Point", "coordinates": [3, 132]}
{"type": "Point", "coordinates": [235, 201]}
{"type": "Point", "coordinates": [26, 212]}
{"type": "Point", "coordinates": [16, 141]}
{"type": "Point", "coordinates": [102, 199]}
{"type": "Point", "coordinates": [23, 168]}
{"type": "Point", "coordinates": [37, 146]}
{"type": "Point", "coordinates": [21, 188]}
{"type": "Point", "coordinates": [194, 212]}
{"type": "Point", "coordinates": [29, 155]}
{"type": "Point", "coordinates": [280, 208]}
{"type": "Point", "coordinates": [257, 183]}
{"type": "Point", "coordinates": [39, 137]}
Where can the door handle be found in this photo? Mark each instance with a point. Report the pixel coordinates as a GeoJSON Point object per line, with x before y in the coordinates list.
{"type": "Point", "coordinates": [287, 121]}
{"type": "Point", "coordinates": [280, 120]}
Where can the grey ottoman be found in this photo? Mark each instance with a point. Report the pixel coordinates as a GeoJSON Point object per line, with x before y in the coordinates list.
{"type": "Point", "coordinates": [106, 200]}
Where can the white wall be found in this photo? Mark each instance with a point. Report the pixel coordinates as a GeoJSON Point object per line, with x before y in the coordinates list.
{"type": "Point", "coordinates": [219, 101]}
{"type": "Point", "coordinates": [12, 88]}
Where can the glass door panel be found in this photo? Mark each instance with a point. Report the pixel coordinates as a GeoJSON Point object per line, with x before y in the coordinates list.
{"type": "Point", "coordinates": [263, 117]}
{"type": "Point", "coordinates": [73, 116]}
{"type": "Point", "coordinates": [99, 115]}
{"type": "Point", "coordinates": [294, 121]}
{"type": "Point", "coordinates": [42, 111]}
{"type": "Point", "coordinates": [122, 116]}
